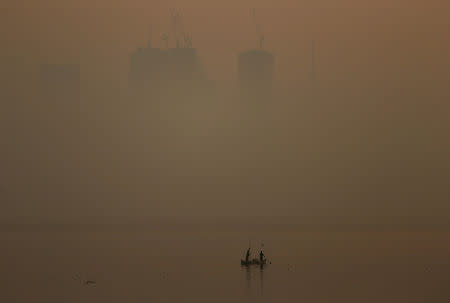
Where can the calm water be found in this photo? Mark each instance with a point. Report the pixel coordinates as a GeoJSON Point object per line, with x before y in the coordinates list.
{"type": "Point", "coordinates": [202, 265]}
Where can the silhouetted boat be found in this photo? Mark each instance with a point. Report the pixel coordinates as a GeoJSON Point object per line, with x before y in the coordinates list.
{"type": "Point", "coordinates": [253, 262]}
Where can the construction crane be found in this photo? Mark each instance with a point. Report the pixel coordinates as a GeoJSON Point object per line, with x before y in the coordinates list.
{"type": "Point", "coordinates": [261, 39]}
{"type": "Point", "coordinates": [176, 25]}
{"type": "Point", "coordinates": [259, 32]}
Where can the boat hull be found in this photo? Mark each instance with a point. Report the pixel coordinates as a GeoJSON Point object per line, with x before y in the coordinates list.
{"type": "Point", "coordinates": [253, 262]}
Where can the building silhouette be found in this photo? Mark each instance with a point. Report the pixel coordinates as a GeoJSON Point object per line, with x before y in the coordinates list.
{"type": "Point", "coordinates": [255, 75]}
{"type": "Point", "coordinates": [166, 72]}
{"type": "Point", "coordinates": [172, 71]}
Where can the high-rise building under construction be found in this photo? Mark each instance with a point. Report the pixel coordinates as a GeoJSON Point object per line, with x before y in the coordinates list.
{"type": "Point", "coordinates": [171, 71]}
{"type": "Point", "coordinates": [255, 72]}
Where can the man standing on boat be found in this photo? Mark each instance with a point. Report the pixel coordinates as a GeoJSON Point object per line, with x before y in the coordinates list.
{"type": "Point", "coordinates": [247, 255]}
{"type": "Point", "coordinates": [261, 257]}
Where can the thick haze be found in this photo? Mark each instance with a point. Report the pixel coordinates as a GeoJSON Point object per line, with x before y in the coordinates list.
{"type": "Point", "coordinates": [370, 136]}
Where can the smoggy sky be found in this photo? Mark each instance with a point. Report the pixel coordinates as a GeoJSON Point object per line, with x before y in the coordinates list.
{"type": "Point", "coordinates": [375, 133]}
{"type": "Point", "coordinates": [364, 37]}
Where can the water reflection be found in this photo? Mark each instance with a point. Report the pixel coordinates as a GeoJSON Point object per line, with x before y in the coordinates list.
{"type": "Point", "coordinates": [254, 281]}
{"type": "Point", "coordinates": [261, 278]}
{"type": "Point", "coordinates": [248, 276]}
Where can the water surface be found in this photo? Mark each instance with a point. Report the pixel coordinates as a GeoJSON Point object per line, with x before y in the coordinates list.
{"type": "Point", "coordinates": [187, 263]}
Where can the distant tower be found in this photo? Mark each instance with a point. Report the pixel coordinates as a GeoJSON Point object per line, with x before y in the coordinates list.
{"type": "Point", "coordinates": [255, 72]}
{"type": "Point", "coordinates": [169, 72]}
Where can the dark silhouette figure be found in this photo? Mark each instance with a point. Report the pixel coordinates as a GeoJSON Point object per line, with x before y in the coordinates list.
{"type": "Point", "coordinates": [261, 257]}
{"type": "Point", "coordinates": [247, 255]}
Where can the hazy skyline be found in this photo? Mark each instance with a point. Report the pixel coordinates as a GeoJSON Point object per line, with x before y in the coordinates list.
{"type": "Point", "coordinates": [365, 38]}
{"type": "Point", "coordinates": [369, 135]}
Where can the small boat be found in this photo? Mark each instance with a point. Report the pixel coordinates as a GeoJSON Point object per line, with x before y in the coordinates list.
{"type": "Point", "coordinates": [253, 262]}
